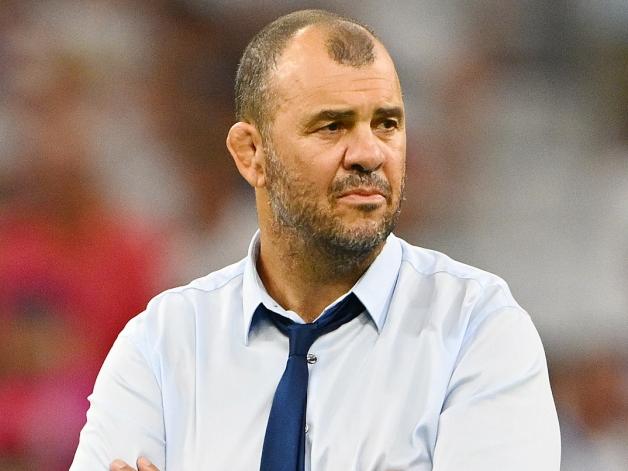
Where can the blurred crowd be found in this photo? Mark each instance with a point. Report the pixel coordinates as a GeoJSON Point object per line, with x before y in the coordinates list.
{"type": "Point", "coordinates": [115, 183]}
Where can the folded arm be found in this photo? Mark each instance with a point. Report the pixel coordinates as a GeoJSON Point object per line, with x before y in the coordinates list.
{"type": "Point", "coordinates": [499, 413]}
{"type": "Point", "coordinates": [125, 419]}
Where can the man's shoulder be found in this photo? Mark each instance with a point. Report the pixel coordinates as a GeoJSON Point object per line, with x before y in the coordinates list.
{"type": "Point", "coordinates": [175, 304]}
{"type": "Point", "coordinates": [487, 290]}
{"type": "Point", "coordinates": [428, 263]}
{"type": "Point", "coordinates": [214, 281]}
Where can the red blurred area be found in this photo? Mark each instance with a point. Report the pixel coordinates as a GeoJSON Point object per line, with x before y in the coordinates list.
{"type": "Point", "coordinates": [71, 275]}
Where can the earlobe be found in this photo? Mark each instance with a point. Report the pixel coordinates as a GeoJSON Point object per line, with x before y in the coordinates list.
{"type": "Point", "coordinates": [244, 142]}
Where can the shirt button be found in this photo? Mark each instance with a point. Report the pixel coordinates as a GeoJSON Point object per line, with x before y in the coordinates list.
{"type": "Point", "coordinates": [307, 428]}
{"type": "Point", "coordinates": [311, 358]}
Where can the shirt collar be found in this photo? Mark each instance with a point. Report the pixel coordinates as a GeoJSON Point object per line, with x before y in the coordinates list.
{"type": "Point", "coordinates": [374, 288]}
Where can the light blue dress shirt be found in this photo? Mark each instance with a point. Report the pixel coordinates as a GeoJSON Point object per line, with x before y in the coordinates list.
{"type": "Point", "coordinates": [443, 371]}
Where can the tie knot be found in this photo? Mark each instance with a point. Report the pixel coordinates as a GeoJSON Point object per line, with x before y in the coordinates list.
{"type": "Point", "coordinates": [302, 336]}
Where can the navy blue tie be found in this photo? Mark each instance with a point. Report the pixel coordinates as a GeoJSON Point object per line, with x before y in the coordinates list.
{"type": "Point", "coordinates": [284, 443]}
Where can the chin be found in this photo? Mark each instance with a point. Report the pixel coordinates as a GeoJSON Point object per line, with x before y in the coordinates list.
{"type": "Point", "coordinates": [363, 236]}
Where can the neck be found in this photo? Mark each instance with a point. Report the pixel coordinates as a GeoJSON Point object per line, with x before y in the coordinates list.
{"type": "Point", "coordinates": [304, 277]}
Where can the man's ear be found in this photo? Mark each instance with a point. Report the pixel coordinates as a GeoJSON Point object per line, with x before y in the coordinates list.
{"type": "Point", "coordinates": [244, 142]}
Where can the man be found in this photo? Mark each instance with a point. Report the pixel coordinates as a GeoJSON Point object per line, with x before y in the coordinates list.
{"type": "Point", "coordinates": [417, 362]}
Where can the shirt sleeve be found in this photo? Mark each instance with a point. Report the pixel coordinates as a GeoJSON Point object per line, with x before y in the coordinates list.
{"type": "Point", "coordinates": [125, 419]}
{"type": "Point", "coordinates": [499, 413]}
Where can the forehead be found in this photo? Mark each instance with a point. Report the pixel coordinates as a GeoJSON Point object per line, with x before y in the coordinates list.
{"type": "Point", "coordinates": [307, 76]}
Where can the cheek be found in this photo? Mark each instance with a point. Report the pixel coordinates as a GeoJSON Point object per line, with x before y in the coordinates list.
{"type": "Point", "coordinates": [317, 172]}
{"type": "Point", "coordinates": [395, 171]}
{"type": "Point", "coordinates": [306, 183]}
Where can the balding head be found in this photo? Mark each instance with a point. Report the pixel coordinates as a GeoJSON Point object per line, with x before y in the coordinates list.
{"type": "Point", "coordinates": [346, 42]}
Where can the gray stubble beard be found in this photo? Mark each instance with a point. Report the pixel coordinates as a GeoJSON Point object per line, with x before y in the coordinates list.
{"type": "Point", "coordinates": [296, 216]}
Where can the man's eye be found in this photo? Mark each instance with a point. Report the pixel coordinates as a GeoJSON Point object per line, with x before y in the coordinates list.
{"type": "Point", "coordinates": [389, 124]}
{"type": "Point", "coordinates": [332, 127]}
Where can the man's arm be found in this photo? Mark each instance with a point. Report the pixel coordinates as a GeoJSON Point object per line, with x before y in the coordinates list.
{"type": "Point", "coordinates": [125, 418]}
{"type": "Point", "coordinates": [499, 413]}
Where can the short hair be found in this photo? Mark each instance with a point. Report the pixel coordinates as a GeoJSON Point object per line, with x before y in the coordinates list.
{"type": "Point", "coordinates": [349, 42]}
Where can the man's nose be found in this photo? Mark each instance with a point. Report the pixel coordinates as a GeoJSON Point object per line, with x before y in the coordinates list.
{"type": "Point", "coordinates": [364, 151]}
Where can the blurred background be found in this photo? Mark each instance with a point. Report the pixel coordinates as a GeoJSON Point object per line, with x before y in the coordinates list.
{"type": "Point", "coordinates": [115, 183]}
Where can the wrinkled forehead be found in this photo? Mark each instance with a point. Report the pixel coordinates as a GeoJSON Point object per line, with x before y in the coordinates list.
{"type": "Point", "coordinates": [306, 68]}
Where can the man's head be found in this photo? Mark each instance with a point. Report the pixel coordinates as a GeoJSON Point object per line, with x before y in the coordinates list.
{"type": "Point", "coordinates": [321, 134]}
{"type": "Point", "coordinates": [351, 43]}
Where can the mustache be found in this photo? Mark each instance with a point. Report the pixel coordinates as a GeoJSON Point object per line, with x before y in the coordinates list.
{"type": "Point", "coordinates": [354, 181]}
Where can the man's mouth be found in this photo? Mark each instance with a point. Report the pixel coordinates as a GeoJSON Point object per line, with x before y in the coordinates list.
{"type": "Point", "coordinates": [372, 190]}
{"type": "Point", "coordinates": [362, 195]}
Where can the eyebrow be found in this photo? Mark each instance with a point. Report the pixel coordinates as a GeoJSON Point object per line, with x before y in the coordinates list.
{"type": "Point", "coordinates": [330, 115]}
{"type": "Point", "coordinates": [390, 112]}
{"type": "Point", "coordinates": [344, 115]}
